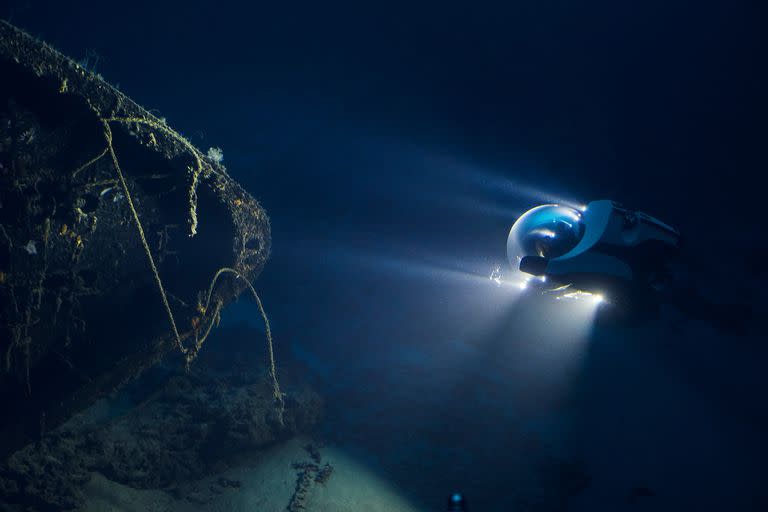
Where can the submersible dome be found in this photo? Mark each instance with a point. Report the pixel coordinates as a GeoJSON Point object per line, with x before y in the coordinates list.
{"type": "Point", "coordinates": [547, 231]}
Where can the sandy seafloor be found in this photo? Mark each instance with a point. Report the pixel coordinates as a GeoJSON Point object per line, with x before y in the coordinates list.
{"type": "Point", "coordinates": [267, 482]}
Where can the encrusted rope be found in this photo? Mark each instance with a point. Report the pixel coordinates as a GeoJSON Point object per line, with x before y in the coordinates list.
{"type": "Point", "coordinates": [190, 353]}
{"type": "Point", "coordinates": [137, 221]}
{"type": "Point", "coordinates": [276, 393]}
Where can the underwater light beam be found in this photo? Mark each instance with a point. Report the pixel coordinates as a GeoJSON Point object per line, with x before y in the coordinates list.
{"type": "Point", "coordinates": [485, 182]}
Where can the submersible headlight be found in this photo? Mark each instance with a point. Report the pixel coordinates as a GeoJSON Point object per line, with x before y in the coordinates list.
{"type": "Point", "coordinates": [600, 246]}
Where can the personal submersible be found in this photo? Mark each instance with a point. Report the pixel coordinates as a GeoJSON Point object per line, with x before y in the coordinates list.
{"type": "Point", "coordinates": [602, 248]}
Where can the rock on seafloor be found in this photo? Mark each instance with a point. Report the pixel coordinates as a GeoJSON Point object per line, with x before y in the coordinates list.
{"type": "Point", "coordinates": [166, 431]}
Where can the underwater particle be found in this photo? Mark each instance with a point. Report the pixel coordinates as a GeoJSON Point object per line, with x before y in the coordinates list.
{"type": "Point", "coordinates": [496, 276]}
{"type": "Point", "coordinates": [31, 248]}
{"type": "Point", "coordinates": [215, 155]}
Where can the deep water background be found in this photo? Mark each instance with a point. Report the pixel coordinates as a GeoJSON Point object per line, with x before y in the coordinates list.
{"type": "Point", "coordinates": [393, 145]}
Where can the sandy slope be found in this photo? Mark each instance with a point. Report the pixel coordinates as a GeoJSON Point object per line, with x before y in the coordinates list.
{"type": "Point", "coordinates": [267, 482]}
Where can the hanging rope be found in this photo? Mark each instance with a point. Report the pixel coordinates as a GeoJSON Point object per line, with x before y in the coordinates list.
{"type": "Point", "coordinates": [137, 221]}
{"type": "Point", "coordinates": [191, 353]}
{"type": "Point", "coordinates": [276, 393]}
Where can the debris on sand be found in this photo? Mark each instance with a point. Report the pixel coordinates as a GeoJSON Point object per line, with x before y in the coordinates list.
{"type": "Point", "coordinates": [307, 474]}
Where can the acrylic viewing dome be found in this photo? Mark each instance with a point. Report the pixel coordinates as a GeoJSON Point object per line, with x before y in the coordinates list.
{"type": "Point", "coordinates": [549, 231]}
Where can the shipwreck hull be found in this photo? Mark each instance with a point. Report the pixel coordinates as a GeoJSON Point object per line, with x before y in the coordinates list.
{"type": "Point", "coordinates": [85, 175]}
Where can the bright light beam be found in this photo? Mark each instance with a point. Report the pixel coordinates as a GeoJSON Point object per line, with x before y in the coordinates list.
{"type": "Point", "coordinates": [489, 182]}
